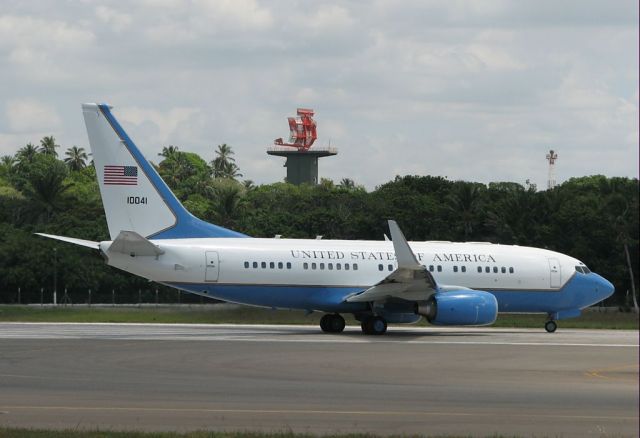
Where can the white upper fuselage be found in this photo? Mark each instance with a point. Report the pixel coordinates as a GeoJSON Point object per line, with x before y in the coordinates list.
{"type": "Point", "coordinates": [339, 263]}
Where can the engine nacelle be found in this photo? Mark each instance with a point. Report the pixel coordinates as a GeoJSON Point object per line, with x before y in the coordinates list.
{"type": "Point", "coordinates": [462, 307]}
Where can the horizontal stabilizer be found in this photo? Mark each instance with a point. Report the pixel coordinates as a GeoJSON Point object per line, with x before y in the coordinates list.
{"type": "Point", "coordinates": [132, 243]}
{"type": "Point", "coordinates": [81, 242]}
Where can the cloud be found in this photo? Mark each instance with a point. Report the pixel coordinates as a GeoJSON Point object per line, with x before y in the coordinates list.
{"type": "Point", "coordinates": [30, 115]}
{"type": "Point", "coordinates": [470, 90]}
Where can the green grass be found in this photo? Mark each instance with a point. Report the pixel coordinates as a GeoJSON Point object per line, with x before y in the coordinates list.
{"type": "Point", "coordinates": [40, 433]}
{"type": "Point", "coordinates": [220, 314]}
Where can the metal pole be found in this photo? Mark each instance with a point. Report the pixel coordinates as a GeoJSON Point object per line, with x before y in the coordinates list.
{"type": "Point", "coordinates": [55, 276]}
{"type": "Point", "coordinates": [19, 296]}
{"type": "Point", "coordinates": [89, 297]}
{"type": "Point", "coordinates": [41, 296]}
{"type": "Point", "coordinates": [156, 296]}
{"type": "Point", "coordinates": [139, 297]}
{"type": "Point", "coordinates": [113, 297]}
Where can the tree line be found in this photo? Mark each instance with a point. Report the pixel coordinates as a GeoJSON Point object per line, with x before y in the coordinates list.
{"type": "Point", "coordinates": [593, 218]}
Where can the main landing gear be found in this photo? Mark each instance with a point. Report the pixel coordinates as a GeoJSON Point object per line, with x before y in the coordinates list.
{"type": "Point", "coordinates": [374, 325]}
{"type": "Point", "coordinates": [332, 323]}
{"type": "Point", "coordinates": [550, 326]}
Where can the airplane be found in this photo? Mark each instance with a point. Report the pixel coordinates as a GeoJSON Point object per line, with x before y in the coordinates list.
{"type": "Point", "coordinates": [379, 282]}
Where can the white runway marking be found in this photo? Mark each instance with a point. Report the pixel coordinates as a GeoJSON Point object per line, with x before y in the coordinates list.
{"type": "Point", "coordinates": [311, 334]}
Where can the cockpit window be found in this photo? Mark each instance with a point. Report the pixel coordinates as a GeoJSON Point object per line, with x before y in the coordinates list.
{"type": "Point", "coordinates": [583, 269]}
{"type": "Point", "coordinates": [579, 269]}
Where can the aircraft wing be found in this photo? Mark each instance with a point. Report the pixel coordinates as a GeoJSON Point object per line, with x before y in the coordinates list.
{"type": "Point", "coordinates": [410, 281]}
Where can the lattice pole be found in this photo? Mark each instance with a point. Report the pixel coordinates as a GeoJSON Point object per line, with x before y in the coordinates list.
{"type": "Point", "coordinates": [551, 158]}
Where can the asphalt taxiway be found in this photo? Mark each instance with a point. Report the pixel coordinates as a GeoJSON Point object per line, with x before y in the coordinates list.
{"type": "Point", "coordinates": [278, 378]}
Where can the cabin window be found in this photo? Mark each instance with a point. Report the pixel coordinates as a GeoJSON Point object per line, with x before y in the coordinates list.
{"type": "Point", "coordinates": [246, 265]}
{"type": "Point", "coordinates": [390, 267]}
{"type": "Point", "coordinates": [263, 265]}
{"type": "Point", "coordinates": [313, 266]}
{"type": "Point", "coordinates": [355, 266]}
{"type": "Point", "coordinates": [487, 269]}
{"type": "Point", "coordinates": [330, 266]}
{"type": "Point", "coordinates": [280, 265]}
{"type": "Point", "coordinates": [346, 266]}
{"type": "Point", "coordinates": [322, 266]}
{"type": "Point", "coordinates": [480, 269]}
{"type": "Point", "coordinates": [510, 270]}
{"type": "Point", "coordinates": [495, 269]}
{"type": "Point", "coordinates": [305, 265]}
{"type": "Point", "coordinates": [272, 265]}
{"type": "Point", "coordinates": [255, 265]}
{"type": "Point", "coordinates": [464, 269]}
{"type": "Point", "coordinates": [338, 266]}
{"type": "Point", "coordinates": [288, 265]}
{"type": "Point", "coordinates": [431, 268]}
{"type": "Point", "coordinates": [380, 267]}
{"type": "Point", "coordinates": [503, 270]}
{"type": "Point", "coordinates": [439, 268]}
{"type": "Point", "coordinates": [455, 269]}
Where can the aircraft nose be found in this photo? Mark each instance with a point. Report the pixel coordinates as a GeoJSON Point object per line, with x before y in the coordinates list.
{"type": "Point", "coordinates": [604, 287]}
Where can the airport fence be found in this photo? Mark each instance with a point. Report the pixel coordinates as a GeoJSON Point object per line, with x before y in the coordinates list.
{"type": "Point", "coordinates": [152, 295]}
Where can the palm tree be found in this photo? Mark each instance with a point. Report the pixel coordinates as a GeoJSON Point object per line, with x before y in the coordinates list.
{"type": "Point", "coordinates": [169, 151]}
{"type": "Point", "coordinates": [48, 146]}
{"type": "Point", "coordinates": [76, 158]}
{"type": "Point", "coordinates": [227, 196]}
{"type": "Point", "coordinates": [464, 203]}
{"type": "Point", "coordinates": [26, 154]}
{"type": "Point", "coordinates": [223, 164]}
{"type": "Point", "coordinates": [8, 161]}
{"type": "Point", "coordinates": [347, 183]}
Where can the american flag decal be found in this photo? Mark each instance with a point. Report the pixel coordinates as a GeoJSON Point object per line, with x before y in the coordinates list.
{"type": "Point", "coordinates": [121, 175]}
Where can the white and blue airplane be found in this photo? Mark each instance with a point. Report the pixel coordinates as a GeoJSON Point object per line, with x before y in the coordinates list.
{"type": "Point", "coordinates": [379, 282]}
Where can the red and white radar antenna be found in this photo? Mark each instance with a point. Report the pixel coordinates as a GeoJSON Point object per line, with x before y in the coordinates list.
{"type": "Point", "coordinates": [302, 131]}
{"type": "Point", "coordinates": [551, 158]}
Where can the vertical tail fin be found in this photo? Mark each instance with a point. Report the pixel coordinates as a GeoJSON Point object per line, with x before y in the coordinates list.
{"type": "Point", "coordinates": [134, 196]}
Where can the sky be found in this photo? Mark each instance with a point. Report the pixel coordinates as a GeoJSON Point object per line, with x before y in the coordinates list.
{"type": "Point", "coordinates": [468, 90]}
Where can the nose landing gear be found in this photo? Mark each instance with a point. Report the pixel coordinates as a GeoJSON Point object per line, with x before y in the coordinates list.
{"type": "Point", "coordinates": [332, 323]}
{"type": "Point", "coordinates": [550, 326]}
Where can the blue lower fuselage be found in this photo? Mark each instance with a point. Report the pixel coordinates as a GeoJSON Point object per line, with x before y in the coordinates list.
{"type": "Point", "coordinates": [580, 291]}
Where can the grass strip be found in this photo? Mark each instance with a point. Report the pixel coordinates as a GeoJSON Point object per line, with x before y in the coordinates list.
{"type": "Point", "coordinates": [43, 433]}
{"type": "Point", "coordinates": [232, 314]}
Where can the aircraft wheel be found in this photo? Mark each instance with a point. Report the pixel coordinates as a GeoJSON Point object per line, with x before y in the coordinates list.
{"type": "Point", "coordinates": [550, 326]}
{"type": "Point", "coordinates": [324, 323]}
{"type": "Point", "coordinates": [332, 323]}
{"type": "Point", "coordinates": [374, 325]}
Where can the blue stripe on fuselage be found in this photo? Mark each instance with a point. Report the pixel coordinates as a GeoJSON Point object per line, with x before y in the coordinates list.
{"type": "Point", "coordinates": [579, 292]}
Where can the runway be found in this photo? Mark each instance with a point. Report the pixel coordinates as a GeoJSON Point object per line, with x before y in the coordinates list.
{"type": "Point", "coordinates": [474, 381]}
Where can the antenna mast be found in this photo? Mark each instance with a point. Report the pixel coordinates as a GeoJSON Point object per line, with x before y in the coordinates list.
{"type": "Point", "coordinates": [551, 158]}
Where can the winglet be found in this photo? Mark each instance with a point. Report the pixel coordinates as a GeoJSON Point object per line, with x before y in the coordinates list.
{"type": "Point", "coordinates": [405, 256]}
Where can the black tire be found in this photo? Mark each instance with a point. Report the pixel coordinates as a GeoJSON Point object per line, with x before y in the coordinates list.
{"type": "Point", "coordinates": [365, 325]}
{"type": "Point", "coordinates": [378, 325]}
{"type": "Point", "coordinates": [325, 323]}
{"type": "Point", "coordinates": [550, 326]}
{"type": "Point", "coordinates": [336, 323]}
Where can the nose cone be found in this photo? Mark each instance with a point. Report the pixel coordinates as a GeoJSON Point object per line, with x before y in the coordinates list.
{"type": "Point", "coordinates": [604, 288]}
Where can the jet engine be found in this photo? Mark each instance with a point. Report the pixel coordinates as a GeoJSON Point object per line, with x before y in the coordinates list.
{"type": "Point", "coordinates": [460, 307]}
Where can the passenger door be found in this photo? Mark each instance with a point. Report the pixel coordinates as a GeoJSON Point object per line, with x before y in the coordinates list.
{"type": "Point", "coordinates": [555, 274]}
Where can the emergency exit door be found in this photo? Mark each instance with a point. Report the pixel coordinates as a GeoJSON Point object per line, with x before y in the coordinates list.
{"type": "Point", "coordinates": [212, 270]}
{"type": "Point", "coordinates": [554, 271]}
